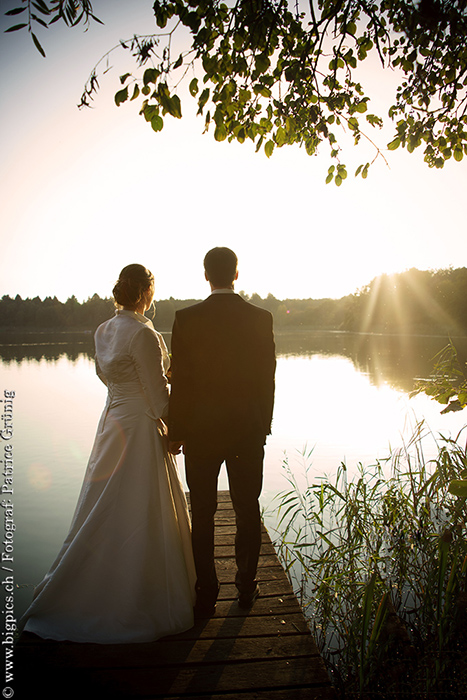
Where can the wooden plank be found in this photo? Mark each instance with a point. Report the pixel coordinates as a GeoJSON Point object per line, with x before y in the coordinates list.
{"type": "Point", "coordinates": [220, 678]}
{"type": "Point", "coordinates": [266, 653]}
{"type": "Point", "coordinates": [272, 694]}
{"type": "Point", "coordinates": [172, 651]}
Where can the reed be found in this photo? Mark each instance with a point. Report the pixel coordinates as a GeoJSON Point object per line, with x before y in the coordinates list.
{"type": "Point", "coordinates": [379, 564]}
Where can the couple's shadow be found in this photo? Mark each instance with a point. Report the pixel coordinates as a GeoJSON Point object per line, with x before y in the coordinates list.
{"type": "Point", "coordinates": [189, 663]}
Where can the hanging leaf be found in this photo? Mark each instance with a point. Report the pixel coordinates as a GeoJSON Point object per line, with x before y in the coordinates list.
{"type": "Point", "coordinates": [37, 44]}
{"type": "Point", "coordinates": [150, 75]}
{"type": "Point", "coordinates": [193, 87]}
{"type": "Point", "coordinates": [157, 123]}
{"type": "Point", "coordinates": [394, 144]}
{"type": "Point", "coordinates": [121, 96]}
{"type": "Point", "coordinates": [220, 132]}
{"type": "Point", "coordinates": [268, 148]}
{"type": "Point", "coordinates": [15, 11]}
{"type": "Point", "coordinates": [15, 28]}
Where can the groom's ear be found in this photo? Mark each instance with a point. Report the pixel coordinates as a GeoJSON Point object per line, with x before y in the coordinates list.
{"type": "Point", "coordinates": [236, 276]}
{"type": "Point", "coordinates": [206, 276]}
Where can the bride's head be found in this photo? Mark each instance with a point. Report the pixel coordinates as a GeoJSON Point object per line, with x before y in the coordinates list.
{"type": "Point", "coordinates": [134, 289]}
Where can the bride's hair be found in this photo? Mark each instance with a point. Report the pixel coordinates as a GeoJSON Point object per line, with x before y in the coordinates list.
{"type": "Point", "coordinates": [134, 280]}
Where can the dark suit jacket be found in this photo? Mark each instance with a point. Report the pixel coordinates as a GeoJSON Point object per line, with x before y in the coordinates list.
{"type": "Point", "coordinates": [223, 364]}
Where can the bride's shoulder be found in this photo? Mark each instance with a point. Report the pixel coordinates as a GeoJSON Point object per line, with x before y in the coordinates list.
{"type": "Point", "coordinates": [147, 335]}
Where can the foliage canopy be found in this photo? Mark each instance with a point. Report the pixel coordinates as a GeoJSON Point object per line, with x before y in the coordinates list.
{"type": "Point", "coordinates": [280, 72]}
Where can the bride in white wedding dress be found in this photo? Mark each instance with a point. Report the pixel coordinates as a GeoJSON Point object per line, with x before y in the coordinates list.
{"type": "Point", "coordinates": [125, 572]}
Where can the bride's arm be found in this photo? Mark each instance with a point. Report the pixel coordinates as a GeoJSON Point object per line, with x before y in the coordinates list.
{"type": "Point", "coordinates": [99, 372]}
{"type": "Point", "coordinates": [146, 353]}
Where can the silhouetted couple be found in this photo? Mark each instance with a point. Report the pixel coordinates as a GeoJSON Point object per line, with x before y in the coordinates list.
{"type": "Point", "coordinates": [132, 568]}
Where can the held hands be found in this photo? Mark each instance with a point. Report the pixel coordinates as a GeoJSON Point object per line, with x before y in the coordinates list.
{"type": "Point", "coordinates": [175, 448]}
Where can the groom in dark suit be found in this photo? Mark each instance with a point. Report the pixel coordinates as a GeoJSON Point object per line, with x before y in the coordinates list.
{"type": "Point", "coordinates": [220, 410]}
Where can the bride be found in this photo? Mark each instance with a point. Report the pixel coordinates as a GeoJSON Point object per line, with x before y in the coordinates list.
{"type": "Point", "coordinates": [125, 572]}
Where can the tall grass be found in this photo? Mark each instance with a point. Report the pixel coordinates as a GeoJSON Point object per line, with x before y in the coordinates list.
{"type": "Point", "coordinates": [379, 563]}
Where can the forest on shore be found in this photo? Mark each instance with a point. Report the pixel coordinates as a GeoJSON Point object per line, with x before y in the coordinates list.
{"type": "Point", "coordinates": [414, 301]}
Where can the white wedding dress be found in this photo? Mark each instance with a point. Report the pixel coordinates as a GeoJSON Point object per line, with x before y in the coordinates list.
{"type": "Point", "coordinates": [125, 572]}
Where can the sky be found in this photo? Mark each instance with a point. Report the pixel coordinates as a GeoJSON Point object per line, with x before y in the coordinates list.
{"type": "Point", "coordinates": [85, 192]}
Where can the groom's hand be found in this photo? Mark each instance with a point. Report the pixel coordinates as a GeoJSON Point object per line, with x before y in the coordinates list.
{"type": "Point", "coordinates": [175, 448]}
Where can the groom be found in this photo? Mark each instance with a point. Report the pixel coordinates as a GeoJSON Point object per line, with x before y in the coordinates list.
{"type": "Point", "coordinates": [220, 410]}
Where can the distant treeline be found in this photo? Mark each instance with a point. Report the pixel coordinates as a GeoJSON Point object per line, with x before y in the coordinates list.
{"type": "Point", "coordinates": [409, 302]}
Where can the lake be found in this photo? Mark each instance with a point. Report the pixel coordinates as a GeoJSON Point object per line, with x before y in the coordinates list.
{"type": "Point", "coordinates": [339, 397]}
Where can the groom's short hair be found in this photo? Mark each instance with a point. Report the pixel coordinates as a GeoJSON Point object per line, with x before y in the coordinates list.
{"type": "Point", "coordinates": [220, 265]}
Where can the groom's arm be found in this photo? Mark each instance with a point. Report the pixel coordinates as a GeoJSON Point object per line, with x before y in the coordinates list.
{"type": "Point", "coordinates": [180, 395]}
{"type": "Point", "coordinates": [266, 367]}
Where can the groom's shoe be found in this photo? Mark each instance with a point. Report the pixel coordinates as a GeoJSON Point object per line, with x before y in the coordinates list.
{"type": "Point", "coordinates": [246, 600]}
{"type": "Point", "coordinates": [205, 605]}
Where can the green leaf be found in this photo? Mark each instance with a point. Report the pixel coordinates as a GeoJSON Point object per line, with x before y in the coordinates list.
{"type": "Point", "coordinates": [281, 138]}
{"type": "Point", "coordinates": [394, 144]}
{"type": "Point", "coordinates": [238, 41]}
{"type": "Point", "coordinates": [150, 76]}
{"type": "Point", "coordinates": [15, 11]}
{"type": "Point", "coordinates": [157, 123]}
{"type": "Point", "coordinates": [135, 92]}
{"type": "Point", "coordinates": [220, 132]}
{"type": "Point", "coordinates": [124, 78]}
{"type": "Point", "coordinates": [121, 96]}
{"type": "Point", "coordinates": [176, 107]}
{"type": "Point", "coordinates": [15, 28]}
{"type": "Point", "coordinates": [178, 62]}
{"type": "Point", "coordinates": [149, 111]}
{"type": "Point", "coordinates": [203, 99]}
{"type": "Point", "coordinates": [37, 44]}
{"type": "Point", "coordinates": [193, 87]}
{"type": "Point", "coordinates": [269, 148]}
{"type": "Point", "coordinates": [262, 63]}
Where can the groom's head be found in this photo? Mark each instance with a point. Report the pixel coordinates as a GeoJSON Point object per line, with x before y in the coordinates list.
{"type": "Point", "coordinates": [220, 266]}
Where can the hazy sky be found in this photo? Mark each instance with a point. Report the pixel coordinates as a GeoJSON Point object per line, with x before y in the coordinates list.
{"type": "Point", "coordinates": [84, 193]}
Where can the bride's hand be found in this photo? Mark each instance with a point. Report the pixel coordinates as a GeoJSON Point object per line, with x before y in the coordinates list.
{"type": "Point", "coordinates": [161, 428]}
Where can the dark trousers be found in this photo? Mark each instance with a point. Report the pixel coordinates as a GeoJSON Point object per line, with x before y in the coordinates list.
{"type": "Point", "coordinates": [245, 472]}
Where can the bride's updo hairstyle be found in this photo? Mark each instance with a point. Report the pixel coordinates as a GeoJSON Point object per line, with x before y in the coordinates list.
{"type": "Point", "coordinates": [133, 282]}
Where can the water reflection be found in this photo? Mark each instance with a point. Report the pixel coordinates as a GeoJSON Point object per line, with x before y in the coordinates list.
{"type": "Point", "coordinates": [19, 346]}
{"type": "Point", "coordinates": [395, 360]}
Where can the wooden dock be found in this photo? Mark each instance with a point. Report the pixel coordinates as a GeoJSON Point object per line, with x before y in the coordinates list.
{"type": "Point", "coordinates": [266, 653]}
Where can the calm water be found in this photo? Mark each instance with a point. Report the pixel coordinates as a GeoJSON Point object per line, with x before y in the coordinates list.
{"type": "Point", "coordinates": [340, 396]}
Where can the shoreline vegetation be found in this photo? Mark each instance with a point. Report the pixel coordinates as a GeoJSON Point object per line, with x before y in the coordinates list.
{"type": "Point", "coordinates": [411, 302]}
{"type": "Point", "coordinates": [379, 565]}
